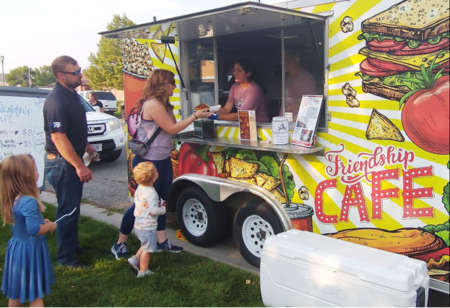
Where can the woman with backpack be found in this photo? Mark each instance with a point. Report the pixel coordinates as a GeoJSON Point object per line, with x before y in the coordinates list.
{"type": "Point", "coordinates": [156, 111]}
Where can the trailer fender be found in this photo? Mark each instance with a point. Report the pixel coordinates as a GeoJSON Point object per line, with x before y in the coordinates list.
{"type": "Point", "coordinates": [219, 189]}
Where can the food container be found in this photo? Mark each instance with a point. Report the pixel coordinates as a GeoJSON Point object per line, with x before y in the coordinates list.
{"type": "Point", "coordinates": [280, 130]}
{"type": "Point", "coordinates": [301, 216]}
{"type": "Point", "coordinates": [204, 129]}
{"type": "Point", "coordinates": [214, 108]}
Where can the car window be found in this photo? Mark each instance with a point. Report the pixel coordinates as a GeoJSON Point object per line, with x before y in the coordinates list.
{"type": "Point", "coordinates": [105, 95]}
{"type": "Point", "coordinates": [86, 105]}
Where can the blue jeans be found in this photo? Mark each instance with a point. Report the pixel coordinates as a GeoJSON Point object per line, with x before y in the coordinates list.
{"type": "Point", "coordinates": [163, 185]}
{"type": "Point", "coordinates": [69, 189]}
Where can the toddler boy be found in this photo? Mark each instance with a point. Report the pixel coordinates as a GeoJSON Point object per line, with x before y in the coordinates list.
{"type": "Point", "coordinates": [147, 209]}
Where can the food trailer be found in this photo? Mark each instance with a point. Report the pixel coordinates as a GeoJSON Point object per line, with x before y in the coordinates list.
{"type": "Point", "coordinates": [378, 173]}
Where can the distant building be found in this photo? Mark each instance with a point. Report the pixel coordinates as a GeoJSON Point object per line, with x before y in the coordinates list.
{"type": "Point", "coordinates": [84, 85]}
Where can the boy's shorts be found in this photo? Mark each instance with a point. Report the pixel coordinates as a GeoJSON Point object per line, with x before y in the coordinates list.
{"type": "Point", "coordinates": [147, 238]}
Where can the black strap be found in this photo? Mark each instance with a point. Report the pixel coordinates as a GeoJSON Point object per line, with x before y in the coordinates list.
{"type": "Point", "coordinates": [155, 134]}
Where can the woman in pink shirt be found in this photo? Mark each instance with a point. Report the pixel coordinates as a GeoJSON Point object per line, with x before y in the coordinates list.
{"type": "Point", "coordinates": [245, 94]}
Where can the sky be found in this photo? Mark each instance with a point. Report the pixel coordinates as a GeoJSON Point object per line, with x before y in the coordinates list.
{"type": "Point", "coordinates": [35, 32]}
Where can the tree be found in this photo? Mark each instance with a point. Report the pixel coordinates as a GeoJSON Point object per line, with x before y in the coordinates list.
{"type": "Point", "coordinates": [44, 76]}
{"type": "Point", "coordinates": [19, 76]}
{"type": "Point", "coordinates": [105, 69]}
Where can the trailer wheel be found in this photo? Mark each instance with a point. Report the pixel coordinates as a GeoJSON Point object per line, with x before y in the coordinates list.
{"type": "Point", "coordinates": [202, 220]}
{"type": "Point", "coordinates": [254, 222]}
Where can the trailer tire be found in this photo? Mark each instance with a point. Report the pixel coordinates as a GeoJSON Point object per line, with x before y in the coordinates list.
{"type": "Point", "coordinates": [253, 223]}
{"type": "Point", "coordinates": [201, 220]}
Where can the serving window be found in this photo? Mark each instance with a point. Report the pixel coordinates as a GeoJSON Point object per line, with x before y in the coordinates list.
{"type": "Point", "coordinates": [287, 47]}
{"type": "Point", "coordinates": [201, 73]}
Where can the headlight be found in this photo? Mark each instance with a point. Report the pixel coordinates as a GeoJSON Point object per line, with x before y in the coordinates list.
{"type": "Point", "coordinates": [114, 124]}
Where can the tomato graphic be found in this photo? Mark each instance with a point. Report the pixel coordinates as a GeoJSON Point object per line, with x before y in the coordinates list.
{"type": "Point", "coordinates": [195, 158]}
{"type": "Point", "coordinates": [425, 117]}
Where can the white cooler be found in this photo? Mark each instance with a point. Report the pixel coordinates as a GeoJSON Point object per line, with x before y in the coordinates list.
{"type": "Point", "coordinates": [304, 269]}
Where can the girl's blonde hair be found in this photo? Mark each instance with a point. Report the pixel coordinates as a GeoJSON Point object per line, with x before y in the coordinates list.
{"type": "Point", "coordinates": [17, 178]}
{"type": "Point", "coordinates": [155, 87]}
{"type": "Point", "coordinates": [144, 173]}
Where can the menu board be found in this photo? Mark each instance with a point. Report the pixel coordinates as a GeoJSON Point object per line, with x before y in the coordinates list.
{"type": "Point", "coordinates": [22, 129]}
{"type": "Point", "coordinates": [307, 121]}
{"type": "Point", "coordinates": [247, 124]}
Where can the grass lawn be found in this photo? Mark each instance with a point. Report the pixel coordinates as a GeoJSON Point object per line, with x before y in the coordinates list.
{"type": "Point", "coordinates": [180, 280]}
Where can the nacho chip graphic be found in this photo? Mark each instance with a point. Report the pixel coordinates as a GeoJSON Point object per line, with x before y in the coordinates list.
{"type": "Point", "coordinates": [158, 34]}
{"type": "Point", "coordinates": [159, 50]}
{"type": "Point", "coordinates": [248, 181]}
{"type": "Point", "coordinates": [261, 178]}
{"type": "Point", "coordinates": [279, 195]}
{"type": "Point", "coordinates": [241, 169]}
{"type": "Point", "coordinates": [271, 183]}
{"type": "Point", "coordinates": [227, 167]}
{"type": "Point", "coordinates": [381, 128]}
{"type": "Point", "coordinates": [219, 160]}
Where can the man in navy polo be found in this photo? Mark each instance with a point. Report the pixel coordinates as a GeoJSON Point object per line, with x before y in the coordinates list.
{"type": "Point", "coordinates": [66, 141]}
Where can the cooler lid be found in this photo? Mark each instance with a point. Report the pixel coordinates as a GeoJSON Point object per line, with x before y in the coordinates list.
{"type": "Point", "coordinates": [373, 265]}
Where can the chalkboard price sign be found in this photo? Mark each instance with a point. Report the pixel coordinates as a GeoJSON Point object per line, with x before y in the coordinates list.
{"type": "Point", "coordinates": [22, 129]}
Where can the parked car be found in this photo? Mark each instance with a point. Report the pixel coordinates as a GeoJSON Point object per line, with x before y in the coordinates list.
{"type": "Point", "coordinates": [105, 132]}
{"type": "Point", "coordinates": [108, 100]}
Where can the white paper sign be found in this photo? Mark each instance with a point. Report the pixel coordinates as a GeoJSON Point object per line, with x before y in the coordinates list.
{"type": "Point", "coordinates": [22, 129]}
{"type": "Point", "coordinates": [307, 120]}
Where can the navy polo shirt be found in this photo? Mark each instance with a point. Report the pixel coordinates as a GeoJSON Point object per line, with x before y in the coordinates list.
{"type": "Point", "coordinates": [64, 113]}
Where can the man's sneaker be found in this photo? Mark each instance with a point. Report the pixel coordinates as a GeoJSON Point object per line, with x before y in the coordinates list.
{"type": "Point", "coordinates": [120, 251]}
{"type": "Point", "coordinates": [166, 245]}
{"type": "Point", "coordinates": [134, 262]}
{"type": "Point", "coordinates": [145, 273]}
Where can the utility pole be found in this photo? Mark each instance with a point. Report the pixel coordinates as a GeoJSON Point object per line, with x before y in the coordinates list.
{"type": "Point", "coordinates": [2, 58]}
{"type": "Point", "coordinates": [29, 77]}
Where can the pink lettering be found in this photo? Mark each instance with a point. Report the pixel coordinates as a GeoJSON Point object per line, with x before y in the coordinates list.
{"type": "Point", "coordinates": [357, 201]}
{"type": "Point", "coordinates": [353, 171]}
{"type": "Point", "coordinates": [379, 194]}
{"type": "Point", "coordinates": [318, 202]}
{"type": "Point", "coordinates": [409, 193]}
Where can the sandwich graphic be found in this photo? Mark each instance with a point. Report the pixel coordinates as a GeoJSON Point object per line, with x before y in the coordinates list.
{"type": "Point", "coordinates": [414, 243]}
{"type": "Point", "coordinates": [401, 39]}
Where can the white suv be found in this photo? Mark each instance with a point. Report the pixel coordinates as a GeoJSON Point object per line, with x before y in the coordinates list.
{"type": "Point", "coordinates": [108, 100]}
{"type": "Point", "coordinates": [105, 133]}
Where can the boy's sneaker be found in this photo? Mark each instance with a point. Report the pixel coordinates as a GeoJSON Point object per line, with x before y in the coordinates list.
{"type": "Point", "coordinates": [120, 251]}
{"type": "Point", "coordinates": [166, 245]}
{"type": "Point", "coordinates": [134, 262]}
{"type": "Point", "coordinates": [145, 273]}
